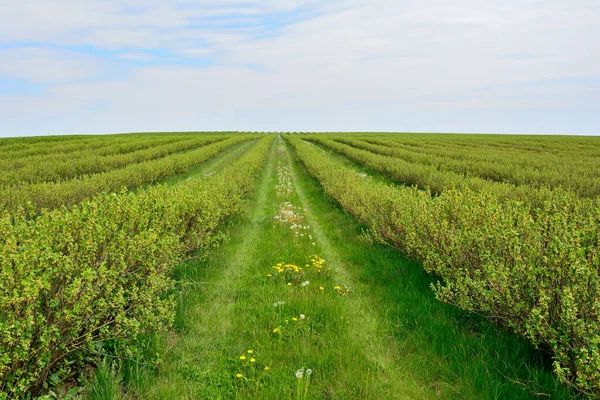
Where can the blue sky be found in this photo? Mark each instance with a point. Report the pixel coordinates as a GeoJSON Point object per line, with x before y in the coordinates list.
{"type": "Point", "coordinates": [99, 66]}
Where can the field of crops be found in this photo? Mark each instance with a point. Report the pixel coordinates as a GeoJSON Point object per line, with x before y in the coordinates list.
{"type": "Point", "coordinates": [255, 265]}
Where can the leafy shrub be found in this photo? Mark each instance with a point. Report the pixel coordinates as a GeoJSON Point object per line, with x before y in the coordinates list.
{"type": "Point", "coordinates": [55, 194]}
{"type": "Point", "coordinates": [74, 277]}
{"type": "Point", "coordinates": [533, 269]}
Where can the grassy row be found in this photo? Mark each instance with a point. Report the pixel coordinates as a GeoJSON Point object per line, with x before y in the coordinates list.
{"type": "Point", "coordinates": [557, 146]}
{"type": "Point", "coordinates": [432, 178]}
{"type": "Point", "coordinates": [100, 148]}
{"type": "Point", "coordinates": [534, 270]}
{"type": "Point", "coordinates": [518, 169]}
{"type": "Point", "coordinates": [52, 195]}
{"type": "Point", "coordinates": [25, 148]}
{"type": "Point", "coordinates": [89, 162]}
{"type": "Point", "coordinates": [41, 146]}
{"type": "Point", "coordinates": [73, 279]}
{"type": "Point", "coordinates": [585, 148]}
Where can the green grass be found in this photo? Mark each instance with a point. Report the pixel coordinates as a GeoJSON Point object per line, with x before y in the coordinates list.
{"type": "Point", "coordinates": [230, 310]}
{"type": "Point", "coordinates": [106, 383]}
{"type": "Point", "coordinates": [213, 164]}
{"type": "Point", "coordinates": [388, 338]}
{"type": "Point", "coordinates": [458, 354]}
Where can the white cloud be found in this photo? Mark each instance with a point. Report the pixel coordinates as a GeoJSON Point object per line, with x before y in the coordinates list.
{"type": "Point", "coordinates": [44, 64]}
{"type": "Point", "coordinates": [432, 47]}
{"type": "Point", "coordinates": [136, 56]}
{"type": "Point", "coordinates": [385, 64]}
{"type": "Point", "coordinates": [195, 52]}
{"type": "Point", "coordinates": [99, 22]}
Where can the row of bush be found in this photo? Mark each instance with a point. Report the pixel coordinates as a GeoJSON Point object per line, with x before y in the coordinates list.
{"type": "Point", "coordinates": [14, 148]}
{"type": "Point", "coordinates": [554, 147]}
{"type": "Point", "coordinates": [518, 168]}
{"type": "Point", "coordinates": [55, 194]}
{"type": "Point", "coordinates": [533, 269]}
{"type": "Point", "coordinates": [75, 277]}
{"type": "Point", "coordinates": [65, 166]}
{"type": "Point", "coordinates": [436, 180]}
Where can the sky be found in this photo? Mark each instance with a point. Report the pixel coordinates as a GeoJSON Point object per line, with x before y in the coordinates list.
{"type": "Point", "coordinates": [107, 66]}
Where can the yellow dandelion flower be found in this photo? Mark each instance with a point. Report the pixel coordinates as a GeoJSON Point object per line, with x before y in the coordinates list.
{"type": "Point", "coordinates": [294, 319]}
{"type": "Point", "coordinates": [239, 375]}
{"type": "Point", "coordinates": [269, 275]}
{"type": "Point", "coordinates": [267, 368]}
{"type": "Point", "coordinates": [321, 288]}
{"type": "Point", "coordinates": [252, 360]}
{"type": "Point", "coordinates": [250, 351]}
{"type": "Point", "coordinates": [337, 288]}
{"type": "Point", "coordinates": [289, 283]}
{"type": "Point", "coordinates": [242, 358]}
{"type": "Point", "coordinates": [276, 330]}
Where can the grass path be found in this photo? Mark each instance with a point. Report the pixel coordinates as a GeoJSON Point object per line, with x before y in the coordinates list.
{"type": "Point", "coordinates": [299, 288]}
{"type": "Point", "coordinates": [231, 309]}
{"type": "Point", "coordinates": [213, 164]}
{"type": "Point", "coordinates": [367, 331]}
{"type": "Point", "coordinates": [205, 311]}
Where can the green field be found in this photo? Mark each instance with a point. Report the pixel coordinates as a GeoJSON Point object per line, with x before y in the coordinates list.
{"type": "Point", "coordinates": [233, 265]}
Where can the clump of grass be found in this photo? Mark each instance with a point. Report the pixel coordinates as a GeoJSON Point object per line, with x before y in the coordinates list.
{"type": "Point", "coordinates": [106, 384]}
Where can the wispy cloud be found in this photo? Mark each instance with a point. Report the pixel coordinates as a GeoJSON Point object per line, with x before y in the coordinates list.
{"type": "Point", "coordinates": [135, 55]}
{"type": "Point", "coordinates": [299, 64]}
{"type": "Point", "coordinates": [44, 64]}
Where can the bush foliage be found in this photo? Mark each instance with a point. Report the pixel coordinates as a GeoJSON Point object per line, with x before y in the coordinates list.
{"type": "Point", "coordinates": [75, 277]}
{"type": "Point", "coordinates": [534, 268]}
{"type": "Point", "coordinates": [55, 194]}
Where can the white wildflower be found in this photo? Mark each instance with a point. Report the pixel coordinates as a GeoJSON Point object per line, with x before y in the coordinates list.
{"type": "Point", "coordinates": [308, 372]}
{"type": "Point", "coordinates": [300, 373]}
{"type": "Point", "coordinates": [302, 317]}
